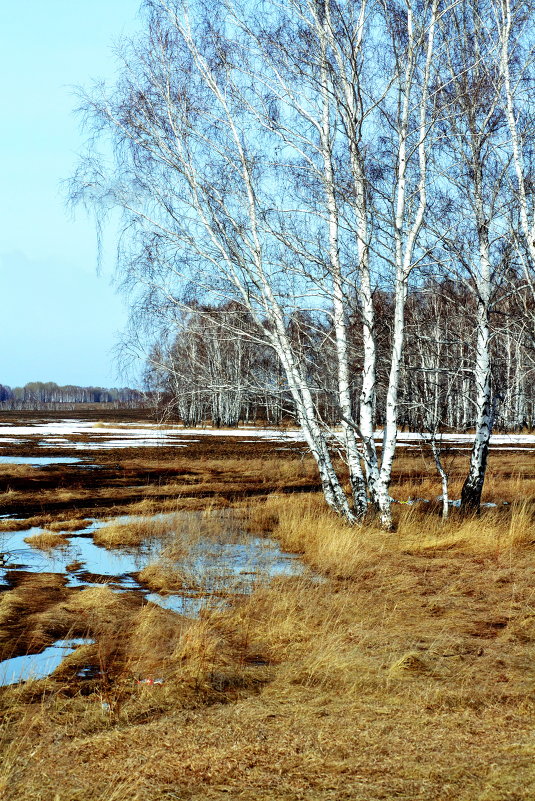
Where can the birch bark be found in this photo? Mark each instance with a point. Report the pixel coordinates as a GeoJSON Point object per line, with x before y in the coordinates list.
{"type": "Point", "coordinates": [406, 233]}
{"type": "Point", "coordinates": [338, 295]}
{"type": "Point", "coordinates": [526, 210]}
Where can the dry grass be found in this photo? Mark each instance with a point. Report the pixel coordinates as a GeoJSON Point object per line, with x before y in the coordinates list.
{"type": "Point", "coordinates": [134, 531]}
{"type": "Point", "coordinates": [510, 476]}
{"type": "Point", "coordinates": [139, 487]}
{"type": "Point", "coordinates": [176, 568]}
{"type": "Point", "coordinates": [15, 470]}
{"type": "Point", "coordinates": [405, 671]}
{"type": "Point", "coordinates": [7, 524]}
{"type": "Point", "coordinates": [411, 679]}
{"type": "Point", "coordinates": [46, 541]}
{"type": "Point", "coordinates": [74, 524]}
{"type": "Point", "coordinates": [304, 525]}
{"type": "Point", "coordinates": [163, 577]}
{"type": "Point", "coordinates": [33, 596]}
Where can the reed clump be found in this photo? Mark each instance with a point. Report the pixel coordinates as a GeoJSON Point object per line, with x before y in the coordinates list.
{"type": "Point", "coordinates": [304, 525]}
{"type": "Point", "coordinates": [73, 524]}
{"type": "Point", "coordinates": [133, 532]}
{"type": "Point", "coordinates": [163, 577]}
{"type": "Point", "coordinates": [47, 540]}
{"type": "Point", "coordinates": [22, 524]}
{"type": "Point", "coordinates": [15, 470]}
{"type": "Point", "coordinates": [495, 531]}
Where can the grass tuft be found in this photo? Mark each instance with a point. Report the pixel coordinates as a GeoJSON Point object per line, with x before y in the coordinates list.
{"type": "Point", "coordinates": [410, 664]}
{"type": "Point", "coordinates": [46, 541]}
{"type": "Point", "coordinates": [134, 532]}
{"type": "Point", "coordinates": [74, 524]}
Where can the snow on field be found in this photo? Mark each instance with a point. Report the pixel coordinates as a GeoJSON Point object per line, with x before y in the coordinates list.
{"type": "Point", "coordinates": [496, 439]}
{"type": "Point", "coordinates": [65, 433]}
{"type": "Point", "coordinates": [106, 444]}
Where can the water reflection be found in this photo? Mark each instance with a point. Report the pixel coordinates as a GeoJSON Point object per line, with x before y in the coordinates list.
{"type": "Point", "coordinates": [208, 556]}
{"type": "Point", "coordinates": [76, 556]}
{"type": "Point", "coordinates": [37, 666]}
{"type": "Point", "coordinates": [211, 563]}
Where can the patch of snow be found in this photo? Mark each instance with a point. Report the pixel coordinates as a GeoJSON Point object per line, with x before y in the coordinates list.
{"type": "Point", "coordinates": [38, 461]}
{"type": "Point", "coordinates": [136, 434]}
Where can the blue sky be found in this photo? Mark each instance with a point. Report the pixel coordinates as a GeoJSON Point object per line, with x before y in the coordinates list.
{"type": "Point", "coordinates": [60, 320]}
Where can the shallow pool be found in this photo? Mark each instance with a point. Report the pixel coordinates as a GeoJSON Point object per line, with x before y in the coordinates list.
{"type": "Point", "coordinates": [37, 666]}
{"type": "Point", "coordinates": [211, 567]}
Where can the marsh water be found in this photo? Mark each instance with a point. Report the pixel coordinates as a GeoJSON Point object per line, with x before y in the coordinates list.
{"type": "Point", "coordinates": [37, 666]}
{"type": "Point", "coordinates": [214, 558]}
{"type": "Point", "coordinates": [206, 557]}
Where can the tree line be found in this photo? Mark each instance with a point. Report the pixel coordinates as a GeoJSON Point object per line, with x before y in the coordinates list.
{"type": "Point", "coordinates": [40, 394]}
{"type": "Point", "coordinates": [206, 375]}
{"type": "Point", "coordinates": [358, 178]}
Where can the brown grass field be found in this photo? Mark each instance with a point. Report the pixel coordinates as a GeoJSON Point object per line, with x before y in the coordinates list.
{"type": "Point", "coordinates": [403, 667]}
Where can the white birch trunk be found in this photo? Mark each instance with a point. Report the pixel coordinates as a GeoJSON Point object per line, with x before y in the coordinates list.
{"type": "Point", "coordinates": [350, 109]}
{"type": "Point", "coordinates": [473, 485]}
{"type": "Point", "coordinates": [527, 214]}
{"type": "Point", "coordinates": [314, 436]}
{"type": "Point", "coordinates": [443, 478]}
{"type": "Point", "coordinates": [405, 242]}
{"type": "Point", "coordinates": [301, 393]}
{"type": "Point", "coordinates": [339, 303]}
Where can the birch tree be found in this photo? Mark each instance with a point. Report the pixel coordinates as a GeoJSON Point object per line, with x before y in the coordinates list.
{"type": "Point", "coordinates": [473, 227]}
{"type": "Point", "coordinates": [332, 136]}
{"type": "Point", "coordinates": [244, 163]}
{"type": "Point", "coordinates": [515, 59]}
{"type": "Point", "coordinates": [409, 202]}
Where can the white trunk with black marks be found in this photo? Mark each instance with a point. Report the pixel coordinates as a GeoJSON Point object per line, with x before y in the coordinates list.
{"type": "Point", "coordinates": [350, 109]}
{"type": "Point", "coordinates": [473, 485]}
{"type": "Point", "coordinates": [405, 241]}
{"type": "Point", "coordinates": [527, 215]}
{"type": "Point", "coordinates": [443, 478]}
{"type": "Point", "coordinates": [356, 476]}
{"type": "Point", "coordinates": [367, 406]}
{"type": "Point", "coordinates": [466, 402]}
{"type": "Point", "coordinates": [391, 412]}
{"type": "Point", "coordinates": [351, 112]}
{"type": "Point", "coordinates": [314, 435]}
{"type": "Point", "coordinates": [301, 394]}
{"type": "Point", "coordinates": [306, 411]}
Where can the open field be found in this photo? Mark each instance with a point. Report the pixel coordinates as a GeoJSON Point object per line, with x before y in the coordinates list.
{"type": "Point", "coordinates": [402, 667]}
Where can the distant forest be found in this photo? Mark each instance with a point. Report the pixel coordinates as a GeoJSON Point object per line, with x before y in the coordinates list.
{"type": "Point", "coordinates": [47, 394]}
{"type": "Point", "coordinates": [217, 368]}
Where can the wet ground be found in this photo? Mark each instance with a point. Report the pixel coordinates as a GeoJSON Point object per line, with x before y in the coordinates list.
{"type": "Point", "coordinates": [94, 472]}
{"type": "Point", "coordinates": [112, 471]}
{"type": "Point", "coordinates": [37, 666]}
{"type": "Point", "coordinates": [229, 561]}
{"type": "Point", "coordinates": [98, 468]}
{"type": "Point", "coordinates": [212, 568]}
{"type": "Point", "coordinates": [38, 461]}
